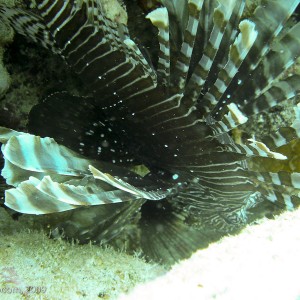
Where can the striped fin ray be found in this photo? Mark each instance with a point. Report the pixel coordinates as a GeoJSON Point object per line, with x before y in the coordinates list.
{"type": "Point", "coordinates": [98, 49]}
{"type": "Point", "coordinates": [269, 19]}
{"type": "Point", "coordinates": [281, 137]}
{"type": "Point", "coordinates": [231, 31]}
{"type": "Point", "coordinates": [120, 184]}
{"type": "Point", "coordinates": [206, 21]}
{"type": "Point", "coordinates": [27, 198]}
{"type": "Point", "coordinates": [250, 149]}
{"type": "Point", "coordinates": [160, 19]}
{"type": "Point", "coordinates": [229, 121]}
{"type": "Point", "coordinates": [229, 35]}
{"type": "Point", "coordinates": [28, 24]}
{"type": "Point", "coordinates": [276, 62]}
{"type": "Point", "coordinates": [282, 187]}
{"type": "Point", "coordinates": [37, 154]}
{"type": "Point", "coordinates": [183, 61]}
{"type": "Point", "coordinates": [15, 175]}
{"type": "Point", "coordinates": [178, 13]}
{"type": "Point", "coordinates": [234, 10]}
{"type": "Point", "coordinates": [255, 148]}
{"type": "Point", "coordinates": [44, 196]}
{"type": "Point", "coordinates": [282, 196]}
{"type": "Point", "coordinates": [237, 53]}
{"type": "Point", "coordinates": [280, 178]}
{"type": "Point", "coordinates": [279, 91]}
{"type": "Point", "coordinates": [221, 17]}
{"type": "Point", "coordinates": [82, 195]}
{"type": "Point", "coordinates": [282, 56]}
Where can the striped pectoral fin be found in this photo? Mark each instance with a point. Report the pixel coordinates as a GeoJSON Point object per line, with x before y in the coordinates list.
{"type": "Point", "coordinates": [26, 198]}
{"type": "Point", "coordinates": [82, 195]}
{"type": "Point", "coordinates": [178, 12]}
{"type": "Point", "coordinates": [36, 154]}
{"type": "Point", "coordinates": [45, 196]}
{"type": "Point", "coordinates": [15, 175]}
{"type": "Point", "coordinates": [157, 194]}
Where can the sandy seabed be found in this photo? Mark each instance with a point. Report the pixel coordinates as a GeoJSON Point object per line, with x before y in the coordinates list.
{"type": "Point", "coordinates": [262, 262]}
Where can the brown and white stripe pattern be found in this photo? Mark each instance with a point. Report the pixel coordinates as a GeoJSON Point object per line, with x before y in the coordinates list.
{"type": "Point", "coordinates": [183, 61]}
{"type": "Point", "coordinates": [42, 158]}
{"type": "Point", "coordinates": [221, 17]}
{"type": "Point", "coordinates": [160, 19]}
{"type": "Point", "coordinates": [177, 120]}
{"type": "Point", "coordinates": [237, 53]}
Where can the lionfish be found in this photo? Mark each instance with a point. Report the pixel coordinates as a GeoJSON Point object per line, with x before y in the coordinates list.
{"type": "Point", "coordinates": [175, 117]}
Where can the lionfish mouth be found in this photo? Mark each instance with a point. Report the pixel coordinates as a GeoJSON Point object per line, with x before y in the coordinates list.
{"type": "Point", "coordinates": [215, 70]}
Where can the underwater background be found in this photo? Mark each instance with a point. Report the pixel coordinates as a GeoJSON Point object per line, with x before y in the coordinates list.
{"type": "Point", "coordinates": [115, 272]}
